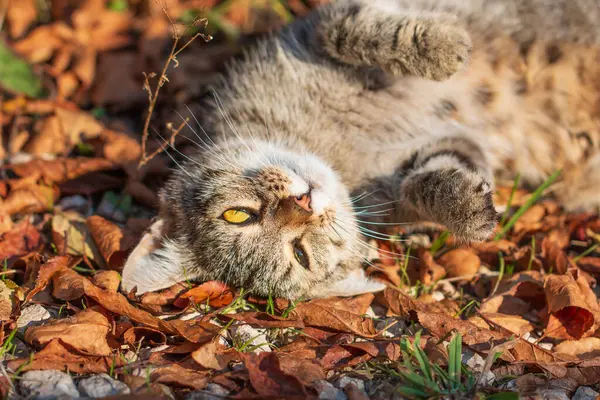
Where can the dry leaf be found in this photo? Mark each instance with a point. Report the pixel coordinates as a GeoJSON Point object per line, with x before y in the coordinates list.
{"type": "Point", "coordinates": [23, 239]}
{"type": "Point", "coordinates": [62, 169]}
{"type": "Point", "coordinates": [29, 199]}
{"type": "Point", "coordinates": [20, 16]}
{"type": "Point", "coordinates": [112, 243]}
{"type": "Point", "coordinates": [582, 348]}
{"type": "Point", "coordinates": [85, 331]}
{"type": "Point", "coordinates": [217, 295]}
{"type": "Point", "coordinates": [460, 262]}
{"type": "Point", "coordinates": [267, 378]}
{"type": "Point", "coordinates": [67, 284]}
{"type": "Point", "coordinates": [107, 280]}
{"type": "Point", "coordinates": [180, 376]}
{"type": "Point", "coordinates": [57, 356]}
{"type": "Point", "coordinates": [211, 355]}
{"type": "Point", "coordinates": [571, 315]}
{"type": "Point", "coordinates": [71, 236]}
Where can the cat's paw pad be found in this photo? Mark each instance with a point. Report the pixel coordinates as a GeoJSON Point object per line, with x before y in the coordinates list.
{"type": "Point", "coordinates": [470, 213]}
{"type": "Point", "coordinates": [443, 49]}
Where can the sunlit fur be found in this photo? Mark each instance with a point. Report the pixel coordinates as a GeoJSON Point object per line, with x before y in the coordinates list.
{"type": "Point", "coordinates": [404, 109]}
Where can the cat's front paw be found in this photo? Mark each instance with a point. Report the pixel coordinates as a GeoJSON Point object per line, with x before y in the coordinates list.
{"type": "Point", "coordinates": [470, 212]}
{"type": "Point", "coordinates": [443, 49]}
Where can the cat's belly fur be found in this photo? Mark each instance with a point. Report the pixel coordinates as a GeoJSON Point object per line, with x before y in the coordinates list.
{"type": "Point", "coordinates": [534, 110]}
{"type": "Point", "coordinates": [533, 113]}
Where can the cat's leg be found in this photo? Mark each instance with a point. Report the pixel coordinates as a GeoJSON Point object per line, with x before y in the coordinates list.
{"type": "Point", "coordinates": [447, 182]}
{"type": "Point", "coordinates": [362, 34]}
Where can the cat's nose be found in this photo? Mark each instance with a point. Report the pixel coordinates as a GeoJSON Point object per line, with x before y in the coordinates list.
{"type": "Point", "coordinates": [303, 201]}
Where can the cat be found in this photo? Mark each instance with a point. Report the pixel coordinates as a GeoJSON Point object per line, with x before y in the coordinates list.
{"type": "Point", "coordinates": [369, 113]}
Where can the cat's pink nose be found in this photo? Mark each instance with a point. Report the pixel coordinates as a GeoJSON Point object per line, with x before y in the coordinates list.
{"type": "Point", "coordinates": [303, 202]}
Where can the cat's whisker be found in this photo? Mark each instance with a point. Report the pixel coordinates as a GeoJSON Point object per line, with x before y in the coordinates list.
{"type": "Point", "coordinates": [165, 149]}
{"type": "Point", "coordinates": [376, 205]}
{"type": "Point", "coordinates": [352, 249]}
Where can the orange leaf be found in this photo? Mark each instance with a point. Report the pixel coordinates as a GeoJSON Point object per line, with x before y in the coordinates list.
{"type": "Point", "coordinates": [85, 331]}
{"type": "Point", "coordinates": [218, 294]}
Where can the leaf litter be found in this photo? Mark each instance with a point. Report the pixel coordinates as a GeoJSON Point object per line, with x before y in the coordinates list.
{"type": "Point", "coordinates": [73, 204]}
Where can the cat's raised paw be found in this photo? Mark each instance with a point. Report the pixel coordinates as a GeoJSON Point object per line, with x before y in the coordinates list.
{"type": "Point", "coordinates": [443, 49]}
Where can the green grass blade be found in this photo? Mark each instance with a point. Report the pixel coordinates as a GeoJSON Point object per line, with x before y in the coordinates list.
{"type": "Point", "coordinates": [412, 393]}
{"type": "Point", "coordinates": [510, 200]}
{"type": "Point", "coordinates": [454, 360]}
{"type": "Point", "coordinates": [586, 252]}
{"type": "Point", "coordinates": [439, 242]}
{"type": "Point", "coordinates": [531, 201]}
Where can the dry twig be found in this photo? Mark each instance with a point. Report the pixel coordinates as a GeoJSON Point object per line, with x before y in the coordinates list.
{"type": "Point", "coordinates": [162, 79]}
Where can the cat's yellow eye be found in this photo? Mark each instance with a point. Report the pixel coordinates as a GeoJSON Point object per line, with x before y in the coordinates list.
{"type": "Point", "coordinates": [236, 216]}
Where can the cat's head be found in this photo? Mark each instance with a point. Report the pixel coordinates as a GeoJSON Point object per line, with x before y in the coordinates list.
{"type": "Point", "coordinates": [256, 216]}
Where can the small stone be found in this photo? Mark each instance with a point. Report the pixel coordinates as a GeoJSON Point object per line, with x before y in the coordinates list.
{"type": "Point", "coordinates": [585, 393]}
{"type": "Point", "coordinates": [346, 380]}
{"type": "Point", "coordinates": [213, 391]}
{"type": "Point", "coordinates": [438, 296]}
{"type": "Point", "coordinates": [473, 360]}
{"type": "Point", "coordinates": [32, 315]}
{"type": "Point", "coordinates": [554, 394]}
{"type": "Point", "coordinates": [328, 392]}
{"type": "Point", "coordinates": [47, 385]}
{"type": "Point", "coordinates": [249, 337]}
{"type": "Point", "coordinates": [102, 385]}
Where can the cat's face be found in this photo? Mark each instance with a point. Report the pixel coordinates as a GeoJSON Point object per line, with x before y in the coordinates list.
{"type": "Point", "coordinates": [261, 218]}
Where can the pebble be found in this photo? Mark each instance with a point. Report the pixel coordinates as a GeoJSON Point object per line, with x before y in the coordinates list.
{"type": "Point", "coordinates": [585, 393]}
{"type": "Point", "coordinates": [250, 337]}
{"type": "Point", "coordinates": [554, 394]}
{"type": "Point", "coordinates": [346, 380]}
{"type": "Point", "coordinates": [213, 391]}
{"type": "Point", "coordinates": [328, 392]}
{"type": "Point", "coordinates": [47, 385]}
{"type": "Point", "coordinates": [101, 385]}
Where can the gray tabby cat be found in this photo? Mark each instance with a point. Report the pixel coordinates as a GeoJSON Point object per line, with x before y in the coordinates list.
{"type": "Point", "coordinates": [363, 114]}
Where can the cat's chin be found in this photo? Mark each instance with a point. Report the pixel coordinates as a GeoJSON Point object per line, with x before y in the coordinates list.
{"type": "Point", "coordinates": [156, 264]}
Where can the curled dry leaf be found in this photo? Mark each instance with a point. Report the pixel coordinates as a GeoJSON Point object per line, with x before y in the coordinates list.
{"type": "Point", "coordinates": [85, 331]}
{"type": "Point", "coordinates": [164, 297]}
{"type": "Point", "coordinates": [71, 236]}
{"type": "Point", "coordinates": [47, 271]}
{"type": "Point", "coordinates": [134, 335]}
{"type": "Point", "coordinates": [217, 294]}
{"type": "Point", "coordinates": [112, 243]}
{"type": "Point", "coordinates": [58, 356]}
{"type": "Point", "coordinates": [67, 284]}
{"type": "Point", "coordinates": [107, 280]}
{"type": "Point", "coordinates": [572, 307]}
{"type": "Point", "coordinates": [401, 304]}
{"type": "Point", "coordinates": [582, 348]}
{"type": "Point", "coordinates": [429, 270]}
{"type": "Point", "coordinates": [460, 262]}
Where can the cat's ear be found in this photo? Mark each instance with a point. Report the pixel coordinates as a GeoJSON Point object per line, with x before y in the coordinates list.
{"type": "Point", "coordinates": [154, 264]}
{"type": "Point", "coordinates": [356, 282]}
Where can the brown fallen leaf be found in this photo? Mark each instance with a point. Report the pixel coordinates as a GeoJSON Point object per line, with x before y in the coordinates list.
{"type": "Point", "coordinates": [164, 297]}
{"type": "Point", "coordinates": [47, 271]}
{"type": "Point", "coordinates": [460, 262]}
{"type": "Point", "coordinates": [401, 304]}
{"type": "Point", "coordinates": [514, 323]}
{"type": "Point", "coordinates": [58, 356]}
{"type": "Point", "coordinates": [582, 348]}
{"type": "Point", "coordinates": [572, 307]}
{"type": "Point", "coordinates": [67, 284]}
{"type": "Point", "coordinates": [112, 243]}
{"type": "Point", "coordinates": [263, 320]}
{"type": "Point", "coordinates": [85, 331]}
{"type": "Point", "coordinates": [29, 199]}
{"type": "Point", "coordinates": [62, 169]}
{"type": "Point", "coordinates": [429, 270]}
{"type": "Point", "coordinates": [134, 335]}
{"type": "Point", "coordinates": [175, 374]}
{"type": "Point", "coordinates": [212, 355]}
{"type": "Point", "coordinates": [71, 236]}
{"type": "Point", "coordinates": [118, 304]}
{"type": "Point", "coordinates": [268, 379]}
{"type": "Point", "coordinates": [21, 240]}
{"type": "Point", "coordinates": [332, 314]}
{"type": "Point", "coordinates": [20, 16]}
{"type": "Point", "coordinates": [217, 294]}
{"type": "Point", "coordinates": [107, 280]}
